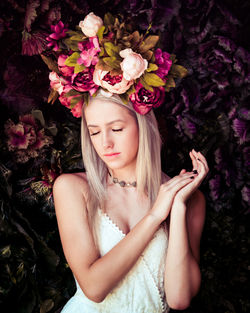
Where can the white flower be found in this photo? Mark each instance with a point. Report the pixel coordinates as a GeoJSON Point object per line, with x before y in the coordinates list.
{"type": "Point", "coordinates": [91, 24]}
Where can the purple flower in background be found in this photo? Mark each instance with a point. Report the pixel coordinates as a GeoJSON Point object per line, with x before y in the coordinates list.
{"type": "Point", "coordinates": [59, 32]}
{"type": "Point", "coordinates": [186, 126]}
{"type": "Point", "coordinates": [25, 138]}
{"type": "Point", "coordinates": [246, 156]}
{"type": "Point", "coordinates": [162, 59]}
{"type": "Point", "coordinates": [240, 130]}
{"type": "Point", "coordinates": [214, 185]}
{"type": "Point", "coordinates": [143, 100]}
{"type": "Point", "coordinates": [245, 192]}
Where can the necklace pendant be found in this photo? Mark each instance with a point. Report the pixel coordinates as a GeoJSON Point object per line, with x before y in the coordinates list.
{"type": "Point", "coordinates": [122, 183]}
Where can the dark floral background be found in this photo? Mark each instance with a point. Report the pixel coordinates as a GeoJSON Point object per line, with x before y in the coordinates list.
{"type": "Point", "coordinates": [208, 111]}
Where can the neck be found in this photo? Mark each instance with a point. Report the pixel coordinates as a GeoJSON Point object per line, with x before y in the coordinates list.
{"type": "Point", "coordinates": [125, 179]}
{"type": "Point", "coordinates": [126, 175]}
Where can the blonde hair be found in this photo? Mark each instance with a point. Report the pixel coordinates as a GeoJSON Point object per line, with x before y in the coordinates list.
{"type": "Point", "coordinates": [148, 164]}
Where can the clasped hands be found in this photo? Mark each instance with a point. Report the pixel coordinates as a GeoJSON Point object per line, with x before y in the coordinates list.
{"type": "Point", "coordinates": [178, 189]}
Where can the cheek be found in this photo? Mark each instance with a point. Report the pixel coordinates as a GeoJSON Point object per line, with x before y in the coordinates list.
{"type": "Point", "coordinates": [95, 144]}
{"type": "Point", "coordinates": [133, 139]}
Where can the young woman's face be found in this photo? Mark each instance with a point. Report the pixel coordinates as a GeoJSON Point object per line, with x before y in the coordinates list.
{"type": "Point", "coordinates": [114, 133]}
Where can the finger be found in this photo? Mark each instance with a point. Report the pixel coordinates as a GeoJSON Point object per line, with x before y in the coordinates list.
{"type": "Point", "coordinates": [173, 189]}
{"type": "Point", "coordinates": [188, 176]}
{"type": "Point", "coordinates": [182, 171]}
{"type": "Point", "coordinates": [203, 159]}
{"type": "Point", "coordinates": [194, 160]}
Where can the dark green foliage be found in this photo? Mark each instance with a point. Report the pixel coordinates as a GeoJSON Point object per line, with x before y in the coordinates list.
{"type": "Point", "coordinates": [208, 111]}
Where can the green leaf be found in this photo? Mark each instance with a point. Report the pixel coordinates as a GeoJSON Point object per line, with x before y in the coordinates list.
{"type": "Point", "coordinates": [52, 65]}
{"type": "Point", "coordinates": [53, 130]}
{"type": "Point", "coordinates": [153, 80]}
{"type": "Point", "coordinates": [77, 37]}
{"type": "Point", "coordinates": [152, 67]}
{"type": "Point", "coordinates": [72, 59]}
{"type": "Point", "coordinates": [178, 71]}
{"type": "Point", "coordinates": [74, 101]}
{"type": "Point", "coordinates": [124, 97]}
{"type": "Point", "coordinates": [149, 43]}
{"type": "Point", "coordinates": [79, 68]}
{"type": "Point", "coordinates": [145, 85]}
{"type": "Point", "coordinates": [71, 45]}
{"type": "Point", "coordinates": [72, 92]}
{"type": "Point", "coordinates": [170, 83]}
{"type": "Point", "coordinates": [46, 306]}
{"type": "Point", "coordinates": [109, 19]}
{"type": "Point", "coordinates": [38, 114]}
{"type": "Point", "coordinates": [131, 90]}
{"type": "Point", "coordinates": [100, 33]}
{"type": "Point", "coordinates": [111, 49]}
{"type": "Point", "coordinates": [112, 62]}
{"type": "Point", "coordinates": [53, 96]}
{"type": "Point", "coordinates": [101, 53]}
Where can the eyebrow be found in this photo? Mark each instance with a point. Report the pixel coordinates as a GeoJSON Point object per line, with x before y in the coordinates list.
{"type": "Point", "coordinates": [114, 121]}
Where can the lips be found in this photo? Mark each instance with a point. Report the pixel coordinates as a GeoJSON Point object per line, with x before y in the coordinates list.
{"type": "Point", "coordinates": [111, 154]}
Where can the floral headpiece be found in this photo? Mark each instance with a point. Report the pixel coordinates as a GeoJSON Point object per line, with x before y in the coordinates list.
{"type": "Point", "coordinates": [109, 54]}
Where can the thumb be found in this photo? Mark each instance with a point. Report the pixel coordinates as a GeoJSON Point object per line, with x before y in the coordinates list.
{"type": "Point", "coordinates": [182, 171]}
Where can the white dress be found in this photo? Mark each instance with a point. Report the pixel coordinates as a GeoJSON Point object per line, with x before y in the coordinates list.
{"type": "Point", "coordinates": [141, 290]}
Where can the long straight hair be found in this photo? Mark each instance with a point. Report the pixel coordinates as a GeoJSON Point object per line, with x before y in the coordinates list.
{"type": "Point", "coordinates": [148, 163]}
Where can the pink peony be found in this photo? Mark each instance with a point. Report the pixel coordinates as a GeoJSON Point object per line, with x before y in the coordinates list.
{"type": "Point", "coordinates": [91, 24]}
{"type": "Point", "coordinates": [133, 65]}
{"type": "Point", "coordinates": [90, 50]}
{"type": "Point", "coordinates": [56, 82]}
{"type": "Point", "coordinates": [143, 100]}
{"type": "Point", "coordinates": [83, 81]}
{"type": "Point", "coordinates": [64, 69]}
{"type": "Point", "coordinates": [77, 108]}
{"type": "Point", "coordinates": [114, 84]}
{"type": "Point", "coordinates": [26, 139]}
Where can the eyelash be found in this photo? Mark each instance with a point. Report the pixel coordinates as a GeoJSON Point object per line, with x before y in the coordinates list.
{"type": "Point", "coordinates": [114, 130]}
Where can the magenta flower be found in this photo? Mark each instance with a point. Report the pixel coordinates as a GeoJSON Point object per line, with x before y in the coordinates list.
{"type": "Point", "coordinates": [66, 101]}
{"type": "Point", "coordinates": [83, 81]}
{"type": "Point", "coordinates": [143, 100]}
{"type": "Point", "coordinates": [64, 69]}
{"type": "Point", "coordinates": [59, 32]}
{"type": "Point", "coordinates": [90, 50]}
{"type": "Point", "coordinates": [25, 139]}
{"type": "Point", "coordinates": [163, 61]}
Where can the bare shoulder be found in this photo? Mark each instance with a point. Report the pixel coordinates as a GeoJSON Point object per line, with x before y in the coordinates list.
{"type": "Point", "coordinates": [67, 182]}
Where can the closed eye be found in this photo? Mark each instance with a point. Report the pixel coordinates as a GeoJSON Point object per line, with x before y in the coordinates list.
{"type": "Point", "coordinates": [94, 134]}
{"type": "Point", "coordinates": [117, 130]}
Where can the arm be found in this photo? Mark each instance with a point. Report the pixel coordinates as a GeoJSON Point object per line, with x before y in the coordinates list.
{"type": "Point", "coordinates": [182, 274]}
{"type": "Point", "coordinates": [96, 275]}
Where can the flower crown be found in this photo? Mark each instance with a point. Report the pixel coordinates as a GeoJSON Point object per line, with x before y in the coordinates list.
{"type": "Point", "coordinates": [110, 55]}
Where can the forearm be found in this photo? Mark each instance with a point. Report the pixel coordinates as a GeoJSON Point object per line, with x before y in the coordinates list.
{"type": "Point", "coordinates": [103, 275]}
{"type": "Point", "coordinates": [182, 274]}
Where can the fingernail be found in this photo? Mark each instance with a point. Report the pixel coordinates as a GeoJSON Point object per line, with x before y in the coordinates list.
{"type": "Point", "coordinates": [195, 172]}
{"type": "Point", "coordinates": [192, 177]}
{"type": "Point", "coordinates": [199, 160]}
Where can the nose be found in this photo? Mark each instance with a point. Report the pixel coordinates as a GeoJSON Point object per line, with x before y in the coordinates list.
{"type": "Point", "coordinates": [107, 141]}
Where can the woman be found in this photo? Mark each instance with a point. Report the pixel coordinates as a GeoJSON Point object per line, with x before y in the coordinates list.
{"type": "Point", "coordinates": [130, 234]}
